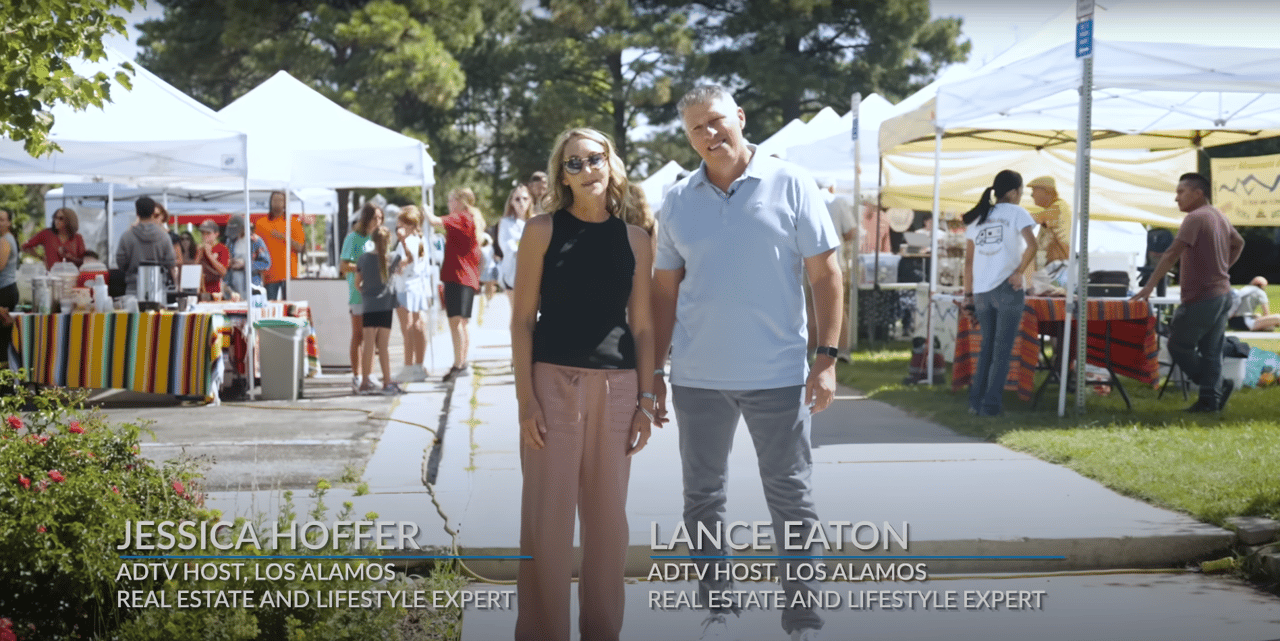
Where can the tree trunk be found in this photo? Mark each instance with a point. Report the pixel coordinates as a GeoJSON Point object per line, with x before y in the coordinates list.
{"type": "Point", "coordinates": [619, 102]}
{"type": "Point", "coordinates": [791, 99]}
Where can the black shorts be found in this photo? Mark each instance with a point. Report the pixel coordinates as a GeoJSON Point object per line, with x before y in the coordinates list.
{"type": "Point", "coordinates": [377, 319]}
{"type": "Point", "coordinates": [1237, 323]}
{"type": "Point", "coordinates": [458, 299]}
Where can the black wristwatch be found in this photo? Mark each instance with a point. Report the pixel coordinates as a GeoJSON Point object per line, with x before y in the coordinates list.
{"type": "Point", "coordinates": [826, 350]}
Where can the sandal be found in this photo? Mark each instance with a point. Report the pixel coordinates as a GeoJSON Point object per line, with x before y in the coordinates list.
{"type": "Point", "coordinates": [366, 389]}
{"type": "Point", "coordinates": [391, 389]}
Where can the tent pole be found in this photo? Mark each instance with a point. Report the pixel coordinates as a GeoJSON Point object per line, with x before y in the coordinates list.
{"type": "Point", "coordinates": [429, 239]}
{"type": "Point", "coordinates": [1080, 226]}
{"type": "Point", "coordinates": [852, 252]}
{"type": "Point", "coordinates": [111, 201]}
{"type": "Point", "coordinates": [249, 334]}
{"type": "Point", "coordinates": [933, 250]}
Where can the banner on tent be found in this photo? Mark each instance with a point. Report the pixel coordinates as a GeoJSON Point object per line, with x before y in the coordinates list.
{"type": "Point", "coordinates": [1247, 190]}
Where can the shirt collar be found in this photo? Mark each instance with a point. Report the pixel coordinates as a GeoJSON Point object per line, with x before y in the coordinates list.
{"type": "Point", "coordinates": [753, 170]}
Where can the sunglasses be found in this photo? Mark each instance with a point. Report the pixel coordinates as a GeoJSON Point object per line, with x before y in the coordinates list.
{"type": "Point", "coordinates": [574, 164]}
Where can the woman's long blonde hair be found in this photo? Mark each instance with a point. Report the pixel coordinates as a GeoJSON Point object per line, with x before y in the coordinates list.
{"type": "Point", "coordinates": [411, 217]}
{"type": "Point", "coordinates": [559, 196]}
{"type": "Point", "coordinates": [468, 199]}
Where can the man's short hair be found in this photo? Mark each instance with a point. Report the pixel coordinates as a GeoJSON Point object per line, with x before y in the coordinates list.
{"type": "Point", "coordinates": [145, 207]}
{"type": "Point", "coordinates": [703, 95]}
{"type": "Point", "coordinates": [1198, 182]}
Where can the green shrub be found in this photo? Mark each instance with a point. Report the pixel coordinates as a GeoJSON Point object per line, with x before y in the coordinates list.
{"type": "Point", "coordinates": [68, 483]}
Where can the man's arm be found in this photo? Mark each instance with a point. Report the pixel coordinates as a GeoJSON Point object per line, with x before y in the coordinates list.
{"type": "Point", "coordinates": [825, 281]}
{"type": "Point", "coordinates": [1167, 261]}
{"type": "Point", "coordinates": [666, 290]}
{"type": "Point", "coordinates": [1237, 246]}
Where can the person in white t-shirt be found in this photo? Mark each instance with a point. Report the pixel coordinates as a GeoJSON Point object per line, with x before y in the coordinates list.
{"type": "Point", "coordinates": [994, 264]}
{"type": "Point", "coordinates": [1243, 315]}
{"type": "Point", "coordinates": [410, 281]}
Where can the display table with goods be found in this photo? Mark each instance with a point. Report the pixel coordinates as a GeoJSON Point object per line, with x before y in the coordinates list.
{"type": "Point", "coordinates": [153, 352]}
{"type": "Point", "coordinates": [1121, 339]}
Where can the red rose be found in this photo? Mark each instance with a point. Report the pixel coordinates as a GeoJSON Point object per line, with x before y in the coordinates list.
{"type": "Point", "coordinates": [24, 482]}
{"type": "Point", "coordinates": [179, 488]}
{"type": "Point", "coordinates": [14, 422]}
{"type": "Point", "coordinates": [40, 529]}
{"type": "Point", "coordinates": [57, 476]}
{"type": "Point", "coordinates": [115, 489]}
{"type": "Point", "coordinates": [75, 428]}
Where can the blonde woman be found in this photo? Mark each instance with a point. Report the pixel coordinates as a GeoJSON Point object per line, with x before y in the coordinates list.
{"type": "Point", "coordinates": [582, 350]}
{"type": "Point", "coordinates": [460, 271]}
{"type": "Point", "coordinates": [377, 301]}
{"type": "Point", "coordinates": [410, 281]}
{"type": "Point", "coordinates": [510, 229]}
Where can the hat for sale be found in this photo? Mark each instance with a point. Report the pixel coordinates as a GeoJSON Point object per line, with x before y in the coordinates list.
{"type": "Point", "coordinates": [209, 225]}
{"type": "Point", "coordinates": [900, 218]}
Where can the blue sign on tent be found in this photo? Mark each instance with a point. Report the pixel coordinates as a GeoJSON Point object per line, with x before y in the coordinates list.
{"type": "Point", "coordinates": [1084, 38]}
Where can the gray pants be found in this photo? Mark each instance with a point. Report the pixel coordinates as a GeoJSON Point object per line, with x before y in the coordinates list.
{"type": "Point", "coordinates": [779, 423]}
{"type": "Point", "coordinates": [1195, 343]}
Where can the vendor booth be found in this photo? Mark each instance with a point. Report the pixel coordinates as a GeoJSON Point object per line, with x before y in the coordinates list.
{"type": "Point", "coordinates": [1191, 83]}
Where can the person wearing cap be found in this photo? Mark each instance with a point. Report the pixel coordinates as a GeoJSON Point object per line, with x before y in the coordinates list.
{"type": "Point", "coordinates": [213, 258]}
{"type": "Point", "coordinates": [1054, 218]}
{"type": "Point", "coordinates": [257, 249]}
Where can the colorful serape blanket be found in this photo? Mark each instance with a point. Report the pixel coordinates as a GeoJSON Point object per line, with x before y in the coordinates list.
{"type": "Point", "coordinates": [1133, 349]}
{"type": "Point", "coordinates": [158, 353]}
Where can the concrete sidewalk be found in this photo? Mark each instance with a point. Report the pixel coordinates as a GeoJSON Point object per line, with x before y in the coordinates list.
{"type": "Point", "coordinates": [448, 460]}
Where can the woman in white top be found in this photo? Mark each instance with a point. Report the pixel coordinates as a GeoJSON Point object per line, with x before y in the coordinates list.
{"type": "Point", "coordinates": [994, 263]}
{"type": "Point", "coordinates": [412, 292]}
{"type": "Point", "coordinates": [510, 229]}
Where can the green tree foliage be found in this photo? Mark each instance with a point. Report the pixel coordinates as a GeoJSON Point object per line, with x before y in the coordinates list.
{"type": "Point", "coordinates": [39, 39]}
{"type": "Point", "coordinates": [788, 58]}
{"type": "Point", "coordinates": [603, 64]}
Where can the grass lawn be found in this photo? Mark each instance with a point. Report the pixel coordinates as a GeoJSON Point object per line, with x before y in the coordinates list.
{"type": "Point", "coordinates": [1208, 466]}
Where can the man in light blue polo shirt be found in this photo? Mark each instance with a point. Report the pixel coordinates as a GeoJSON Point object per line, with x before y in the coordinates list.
{"type": "Point", "coordinates": [735, 239]}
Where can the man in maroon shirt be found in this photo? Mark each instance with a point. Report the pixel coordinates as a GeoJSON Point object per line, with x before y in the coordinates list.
{"type": "Point", "coordinates": [1208, 245]}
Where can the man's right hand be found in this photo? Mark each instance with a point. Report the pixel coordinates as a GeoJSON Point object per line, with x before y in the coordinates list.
{"type": "Point", "coordinates": [660, 406]}
{"type": "Point", "coordinates": [1143, 293]}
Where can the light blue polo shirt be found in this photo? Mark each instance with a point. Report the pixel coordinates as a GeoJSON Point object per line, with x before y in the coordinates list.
{"type": "Point", "coordinates": [740, 316]}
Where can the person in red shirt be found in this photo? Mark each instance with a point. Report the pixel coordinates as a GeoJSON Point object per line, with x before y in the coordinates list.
{"type": "Point", "coordinates": [213, 257]}
{"type": "Point", "coordinates": [60, 240]}
{"type": "Point", "coordinates": [271, 229]}
{"type": "Point", "coordinates": [460, 271]}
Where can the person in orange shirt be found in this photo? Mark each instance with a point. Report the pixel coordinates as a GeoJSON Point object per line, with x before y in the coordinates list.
{"type": "Point", "coordinates": [271, 229]}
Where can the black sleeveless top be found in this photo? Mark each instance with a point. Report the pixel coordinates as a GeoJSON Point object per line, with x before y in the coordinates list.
{"type": "Point", "coordinates": [586, 284]}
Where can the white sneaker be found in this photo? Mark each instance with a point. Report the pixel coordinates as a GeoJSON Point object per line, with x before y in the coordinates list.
{"type": "Point", "coordinates": [419, 374]}
{"type": "Point", "coordinates": [404, 375]}
{"type": "Point", "coordinates": [805, 634]}
{"type": "Point", "coordinates": [715, 626]}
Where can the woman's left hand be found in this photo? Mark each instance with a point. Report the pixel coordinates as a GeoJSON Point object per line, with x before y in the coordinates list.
{"type": "Point", "coordinates": [1016, 279]}
{"type": "Point", "coordinates": [641, 427]}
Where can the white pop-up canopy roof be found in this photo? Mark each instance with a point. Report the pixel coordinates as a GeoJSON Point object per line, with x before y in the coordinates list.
{"type": "Point", "coordinates": [832, 155]}
{"type": "Point", "coordinates": [1165, 75]}
{"type": "Point", "coordinates": [151, 134]}
{"type": "Point", "coordinates": [299, 138]}
{"type": "Point", "coordinates": [655, 186]}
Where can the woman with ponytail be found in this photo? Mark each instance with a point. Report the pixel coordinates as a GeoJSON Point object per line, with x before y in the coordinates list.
{"type": "Point", "coordinates": [994, 263]}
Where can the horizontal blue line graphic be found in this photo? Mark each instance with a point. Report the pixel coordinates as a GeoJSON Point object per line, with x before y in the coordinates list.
{"type": "Point", "coordinates": [863, 557]}
{"type": "Point", "coordinates": [250, 557]}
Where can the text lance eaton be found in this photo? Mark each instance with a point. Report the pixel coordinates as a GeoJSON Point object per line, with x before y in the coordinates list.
{"type": "Point", "coordinates": [795, 535]}
{"type": "Point", "coordinates": [225, 535]}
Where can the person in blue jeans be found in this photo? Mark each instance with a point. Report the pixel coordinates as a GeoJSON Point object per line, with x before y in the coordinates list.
{"type": "Point", "coordinates": [994, 264]}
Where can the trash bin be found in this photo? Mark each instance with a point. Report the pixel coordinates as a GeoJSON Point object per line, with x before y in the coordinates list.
{"type": "Point", "coordinates": [283, 357]}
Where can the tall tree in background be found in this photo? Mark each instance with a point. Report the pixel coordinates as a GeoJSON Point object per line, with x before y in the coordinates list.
{"type": "Point", "coordinates": [602, 64]}
{"type": "Point", "coordinates": [787, 58]}
{"type": "Point", "coordinates": [39, 39]}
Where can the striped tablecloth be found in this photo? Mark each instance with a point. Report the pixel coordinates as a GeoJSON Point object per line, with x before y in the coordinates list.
{"type": "Point", "coordinates": [159, 353]}
{"type": "Point", "coordinates": [1133, 347]}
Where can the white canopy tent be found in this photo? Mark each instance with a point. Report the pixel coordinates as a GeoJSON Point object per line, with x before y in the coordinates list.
{"type": "Point", "coordinates": [831, 156]}
{"type": "Point", "coordinates": [655, 186]}
{"type": "Point", "coordinates": [299, 138]}
{"type": "Point", "coordinates": [1177, 85]}
{"type": "Point", "coordinates": [151, 134]}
